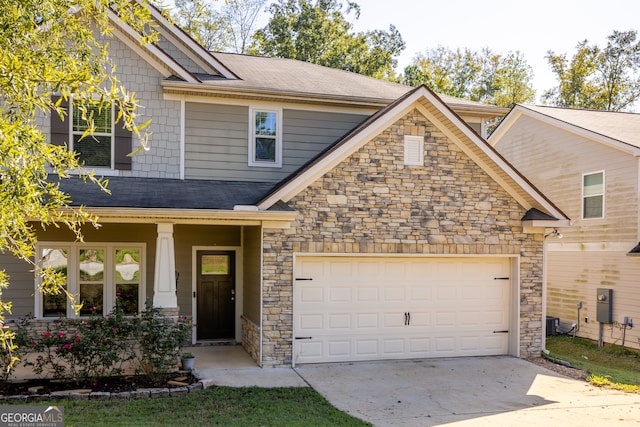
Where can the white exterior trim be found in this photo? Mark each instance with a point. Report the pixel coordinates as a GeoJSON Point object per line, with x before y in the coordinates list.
{"type": "Point", "coordinates": [252, 162]}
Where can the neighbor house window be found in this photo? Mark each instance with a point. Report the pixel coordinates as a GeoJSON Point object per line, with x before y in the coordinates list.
{"type": "Point", "coordinates": [265, 137]}
{"type": "Point", "coordinates": [593, 195]}
{"type": "Point", "coordinates": [99, 275]}
{"type": "Point", "coordinates": [96, 149]}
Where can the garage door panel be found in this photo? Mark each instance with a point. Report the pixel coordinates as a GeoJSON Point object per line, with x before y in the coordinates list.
{"type": "Point", "coordinates": [354, 308]}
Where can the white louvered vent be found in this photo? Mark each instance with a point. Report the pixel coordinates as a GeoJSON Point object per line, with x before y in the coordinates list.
{"type": "Point", "coordinates": [413, 150]}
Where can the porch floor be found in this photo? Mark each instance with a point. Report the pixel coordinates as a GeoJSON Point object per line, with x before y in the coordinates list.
{"type": "Point", "coordinates": [231, 365]}
{"type": "Point", "coordinates": [222, 365]}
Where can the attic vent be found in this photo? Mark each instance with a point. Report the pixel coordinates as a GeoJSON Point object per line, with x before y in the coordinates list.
{"type": "Point", "coordinates": [413, 150]}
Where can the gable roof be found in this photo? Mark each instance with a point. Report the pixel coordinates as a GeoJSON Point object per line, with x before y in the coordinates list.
{"type": "Point", "coordinates": [289, 77]}
{"type": "Point", "coordinates": [448, 122]}
{"type": "Point", "coordinates": [618, 129]}
{"type": "Point", "coordinates": [255, 77]}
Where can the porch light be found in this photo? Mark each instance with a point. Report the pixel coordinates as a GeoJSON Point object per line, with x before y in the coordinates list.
{"type": "Point", "coordinates": [555, 233]}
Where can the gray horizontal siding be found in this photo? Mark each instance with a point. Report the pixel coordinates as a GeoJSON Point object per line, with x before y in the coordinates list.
{"type": "Point", "coordinates": [216, 140]}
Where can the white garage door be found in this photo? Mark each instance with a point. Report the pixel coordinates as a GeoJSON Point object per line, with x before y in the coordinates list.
{"type": "Point", "coordinates": [374, 308]}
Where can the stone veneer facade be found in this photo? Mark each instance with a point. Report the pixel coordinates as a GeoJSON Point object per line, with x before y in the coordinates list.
{"type": "Point", "coordinates": [372, 203]}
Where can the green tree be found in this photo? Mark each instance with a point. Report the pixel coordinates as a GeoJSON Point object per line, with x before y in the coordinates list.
{"type": "Point", "coordinates": [598, 78]}
{"type": "Point", "coordinates": [240, 17]}
{"type": "Point", "coordinates": [321, 34]}
{"type": "Point", "coordinates": [51, 47]}
{"type": "Point", "coordinates": [203, 22]}
{"type": "Point", "coordinates": [483, 76]}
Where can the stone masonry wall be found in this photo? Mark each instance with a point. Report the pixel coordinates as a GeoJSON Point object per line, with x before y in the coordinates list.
{"type": "Point", "coordinates": [373, 203]}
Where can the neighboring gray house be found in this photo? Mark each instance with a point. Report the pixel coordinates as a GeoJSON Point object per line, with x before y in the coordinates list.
{"type": "Point", "coordinates": [587, 163]}
{"type": "Point", "coordinates": [308, 213]}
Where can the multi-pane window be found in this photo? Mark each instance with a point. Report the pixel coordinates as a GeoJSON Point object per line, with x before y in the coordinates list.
{"type": "Point", "coordinates": [58, 260]}
{"type": "Point", "coordinates": [99, 275]}
{"type": "Point", "coordinates": [94, 149]}
{"type": "Point", "coordinates": [593, 195]}
{"type": "Point", "coordinates": [265, 145]}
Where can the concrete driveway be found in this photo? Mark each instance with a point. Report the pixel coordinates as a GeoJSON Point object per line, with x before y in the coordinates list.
{"type": "Point", "coordinates": [478, 391]}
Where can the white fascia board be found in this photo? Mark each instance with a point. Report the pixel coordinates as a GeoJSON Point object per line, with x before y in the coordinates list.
{"type": "Point", "coordinates": [518, 111]}
{"type": "Point", "coordinates": [493, 156]}
{"type": "Point", "coordinates": [332, 159]}
{"type": "Point", "coordinates": [195, 51]}
{"type": "Point", "coordinates": [151, 53]}
{"type": "Point", "coordinates": [190, 216]}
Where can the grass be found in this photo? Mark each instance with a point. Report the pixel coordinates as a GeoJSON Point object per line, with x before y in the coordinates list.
{"type": "Point", "coordinates": [610, 366]}
{"type": "Point", "coordinates": [226, 406]}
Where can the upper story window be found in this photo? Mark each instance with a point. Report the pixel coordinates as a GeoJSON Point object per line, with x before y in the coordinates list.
{"type": "Point", "coordinates": [593, 195]}
{"type": "Point", "coordinates": [95, 149]}
{"type": "Point", "coordinates": [265, 137]}
{"type": "Point", "coordinates": [109, 146]}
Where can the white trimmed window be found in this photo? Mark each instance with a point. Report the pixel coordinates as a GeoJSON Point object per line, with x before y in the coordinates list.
{"type": "Point", "coordinates": [413, 150]}
{"type": "Point", "coordinates": [593, 195]}
{"type": "Point", "coordinates": [98, 274]}
{"type": "Point", "coordinates": [265, 137]}
{"type": "Point", "coordinates": [97, 149]}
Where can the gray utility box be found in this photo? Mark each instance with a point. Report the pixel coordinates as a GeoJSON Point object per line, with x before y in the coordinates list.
{"type": "Point", "coordinates": [604, 305]}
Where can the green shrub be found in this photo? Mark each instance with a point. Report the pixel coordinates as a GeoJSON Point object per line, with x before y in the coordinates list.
{"type": "Point", "coordinates": [87, 349]}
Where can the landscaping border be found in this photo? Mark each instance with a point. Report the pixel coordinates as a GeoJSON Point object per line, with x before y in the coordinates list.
{"type": "Point", "coordinates": [85, 394]}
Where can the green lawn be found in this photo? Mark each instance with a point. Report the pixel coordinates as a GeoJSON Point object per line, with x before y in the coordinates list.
{"type": "Point", "coordinates": [225, 406]}
{"type": "Point", "coordinates": [612, 364]}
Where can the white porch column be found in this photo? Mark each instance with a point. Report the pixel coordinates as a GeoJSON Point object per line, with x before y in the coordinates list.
{"type": "Point", "coordinates": [164, 281]}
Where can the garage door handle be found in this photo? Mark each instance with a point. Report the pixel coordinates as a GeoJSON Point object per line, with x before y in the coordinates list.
{"type": "Point", "coordinates": [304, 278]}
{"type": "Point", "coordinates": [500, 278]}
{"type": "Point", "coordinates": [407, 318]}
{"type": "Point", "coordinates": [501, 332]}
{"type": "Point", "coordinates": [303, 338]}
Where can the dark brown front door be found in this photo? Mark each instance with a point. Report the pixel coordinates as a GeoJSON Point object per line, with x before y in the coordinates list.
{"type": "Point", "coordinates": [216, 295]}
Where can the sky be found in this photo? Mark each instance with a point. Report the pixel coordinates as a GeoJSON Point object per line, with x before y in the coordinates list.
{"type": "Point", "coordinates": [531, 27]}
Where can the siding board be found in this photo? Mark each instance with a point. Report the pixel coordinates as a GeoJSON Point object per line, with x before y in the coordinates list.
{"type": "Point", "coordinates": [216, 140]}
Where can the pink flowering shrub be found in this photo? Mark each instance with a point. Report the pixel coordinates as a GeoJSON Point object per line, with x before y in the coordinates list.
{"type": "Point", "coordinates": [90, 348]}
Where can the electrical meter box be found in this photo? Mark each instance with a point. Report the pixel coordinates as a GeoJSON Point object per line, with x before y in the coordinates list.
{"type": "Point", "coordinates": [604, 305]}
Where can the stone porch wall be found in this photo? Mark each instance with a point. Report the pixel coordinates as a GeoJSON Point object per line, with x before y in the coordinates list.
{"type": "Point", "coordinates": [251, 338]}
{"type": "Point", "coordinates": [371, 204]}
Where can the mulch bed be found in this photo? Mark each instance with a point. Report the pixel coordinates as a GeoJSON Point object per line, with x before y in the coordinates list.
{"type": "Point", "coordinates": [110, 384]}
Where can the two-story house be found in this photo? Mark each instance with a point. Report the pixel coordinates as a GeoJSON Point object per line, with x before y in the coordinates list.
{"type": "Point", "coordinates": [308, 213]}
{"type": "Point", "coordinates": [587, 163]}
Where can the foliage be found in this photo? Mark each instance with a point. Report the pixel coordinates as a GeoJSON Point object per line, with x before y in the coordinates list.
{"type": "Point", "coordinates": [598, 78]}
{"type": "Point", "coordinates": [203, 22]}
{"type": "Point", "coordinates": [97, 347]}
{"type": "Point", "coordinates": [321, 34]}
{"type": "Point", "coordinates": [483, 76]}
{"type": "Point", "coordinates": [241, 17]}
{"type": "Point", "coordinates": [616, 363]}
{"type": "Point", "coordinates": [228, 406]}
{"type": "Point", "coordinates": [82, 349]}
{"type": "Point", "coordinates": [159, 341]}
{"type": "Point", "coordinates": [52, 47]}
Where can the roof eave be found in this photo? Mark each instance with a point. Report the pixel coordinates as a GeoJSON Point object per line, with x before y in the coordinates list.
{"type": "Point", "coordinates": [187, 216]}
{"type": "Point", "coordinates": [186, 88]}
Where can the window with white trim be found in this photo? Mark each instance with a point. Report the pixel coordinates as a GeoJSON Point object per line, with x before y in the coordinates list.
{"type": "Point", "coordinates": [97, 274]}
{"type": "Point", "coordinates": [107, 150]}
{"type": "Point", "coordinates": [265, 137]}
{"type": "Point", "coordinates": [593, 195]}
{"type": "Point", "coordinates": [95, 149]}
